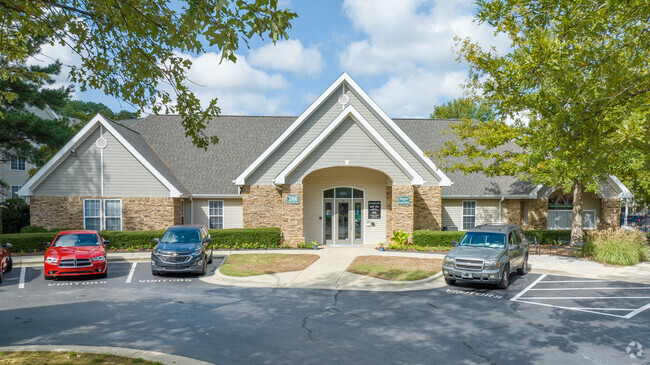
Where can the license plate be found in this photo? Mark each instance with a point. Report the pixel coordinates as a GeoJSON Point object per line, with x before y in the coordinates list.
{"type": "Point", "coordinates": [467, 275]}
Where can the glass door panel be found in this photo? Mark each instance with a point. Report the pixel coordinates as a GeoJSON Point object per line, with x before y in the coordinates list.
{"type": "Point", "coordinates": [357, 221]}
{"type": "Point", "coordinates": [328, 216]}
{"type": "Point", "coordinates": [343, 222]}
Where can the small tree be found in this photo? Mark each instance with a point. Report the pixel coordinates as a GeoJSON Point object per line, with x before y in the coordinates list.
{"type": "Point", "coordinates": [571, 93]}
{"type": "Point", "coordinates": [15, 215]}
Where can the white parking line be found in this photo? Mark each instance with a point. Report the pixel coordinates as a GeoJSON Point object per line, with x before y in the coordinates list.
{"type": "Point", "coordinates": [607, 288]}
{"type": "Point", "coordinates": [128, 279]}
{"type": "Point", "coordinates": [573, 308]}
{"type": "Point", "coordinates": [528, 288]}
{"type": "Point", "coordinates": [573, 281]}
{"type": "Point", "coordinates": [561, 298]}
{"type": "Point", "coordinates": [21, 283]}
{"type": "Point", "coordinates": [637, 311]}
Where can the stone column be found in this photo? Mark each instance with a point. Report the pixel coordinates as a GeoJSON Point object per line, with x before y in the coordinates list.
{"type": "Point", "coordinates": [538, 214]}
{"type": "Point", "coordinates": [610, 210]}
{"type": "Point", "coordinates": [262, 206]}
{"type": "Point", "coordinates": [512, 212]}
{"type": "Point", "coordinates": [292, 214]}
{"type": "Point", "coordinates": [389, 213]}
{"type": "Point", "coordinates": [427, 207]}
{"type": "Point", "coordinates": [403, 215]}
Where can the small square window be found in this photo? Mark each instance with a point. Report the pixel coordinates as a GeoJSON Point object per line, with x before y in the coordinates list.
{"type": "Point", "coordinates": [14, 191]}
{"type": "Point", "coordinates": [17, 163]}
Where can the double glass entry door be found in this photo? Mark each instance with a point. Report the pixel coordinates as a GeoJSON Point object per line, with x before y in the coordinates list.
{"type": "Point", "coordinates": [342, 221]}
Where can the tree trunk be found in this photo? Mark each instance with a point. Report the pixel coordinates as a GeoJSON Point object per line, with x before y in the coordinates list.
{"type": "Point", "coordinates": [577, 235]}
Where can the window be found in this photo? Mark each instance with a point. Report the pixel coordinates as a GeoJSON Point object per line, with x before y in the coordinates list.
{"type": "Point", "coordinates": [17, 163]}
{"type": "Point", "coordinates": [113, 214]}
{"type": "Point", "coordinates": [469, 215]}
{"type": "Point", "coordinates": [563, 219]}
{"type": "Point", "coordinates": [215, 214]}
{"type": "Point", "coordinates": [92, 214]}
{"type": "Point", "coordinates": [14, 191]}
{"type": "Point", "coordinates": [182, 212]}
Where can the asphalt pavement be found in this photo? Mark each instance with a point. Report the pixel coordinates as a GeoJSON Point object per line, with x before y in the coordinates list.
{"type": "Point", "coordinates": [465, 324]}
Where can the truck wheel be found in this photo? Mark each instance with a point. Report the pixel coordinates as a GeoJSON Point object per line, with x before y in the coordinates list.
{"type": "Point", "coordinates": [524, 268]}
{"type": "Point", "coordinates": [450, 281]}
{"type": "Point", "coordinates": [505, 278]}
{"type": "Point", "coordinates": [10, 265]}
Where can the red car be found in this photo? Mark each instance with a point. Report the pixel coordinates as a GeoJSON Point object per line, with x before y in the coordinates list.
{"type": "Point", "coordinates": [76, 253]}
{"type": "Point", "coordinates": [6, 264]}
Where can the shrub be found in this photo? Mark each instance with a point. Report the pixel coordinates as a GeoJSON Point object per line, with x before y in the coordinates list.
{"type": "Point", "coordinates": [229, 238]}
{"type": "Point", "coordinates": [400, 237]}
{"type": "Point", "coordinates": [15, 215]}
{"type": "Point", "coordinates": [547, 236]}
{"type": "Point", "coordinates": [27, 242]}
{"type": "Point", "coordinates": [33, 229]}
{"type": "Point", "coordinates": [619, 246]}
{"type": "Point", "coordinates": [436, 238]}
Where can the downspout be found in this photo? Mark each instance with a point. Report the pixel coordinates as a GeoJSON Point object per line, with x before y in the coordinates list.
{"type": "Point", "coordinates": [627, 203]}
{"type": "Point", "coordinates": [276, 186]}
{"type": "Point", "coordinates": [191, 210]}
{"type": "Point", "coordinates": [502, 198]}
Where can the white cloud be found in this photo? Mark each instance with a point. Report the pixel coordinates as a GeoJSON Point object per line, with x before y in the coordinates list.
{"type": "Point", "coordinates": [65, 55]}
{"type": "Point", "coordinates": [240, 88]}
{"type": "Point", "coordinates": [289, 55]}
{"type": "Point", "coordinates": [409, 42]}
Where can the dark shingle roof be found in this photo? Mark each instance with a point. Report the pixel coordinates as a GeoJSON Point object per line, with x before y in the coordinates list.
{"type": "Point", "coordinates": [428, 135]}
{"type": "Point", "coordinates": [141, 145]}
{"type": "Point", "coordinates": [244, 138]}
{"type": "Point", "coordinates": [241, 140]}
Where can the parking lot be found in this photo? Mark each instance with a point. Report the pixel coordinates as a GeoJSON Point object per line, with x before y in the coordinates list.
{"type": "Point", "coordinates": [120, 274]}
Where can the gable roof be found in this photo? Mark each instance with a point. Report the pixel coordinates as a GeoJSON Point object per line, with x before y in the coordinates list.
{"type": "Point", "coordinates": [351, 111]}
{"type": "Point", "coordinates": [344, 80]}
{"type": "Point", "coordinates": [130, 139]}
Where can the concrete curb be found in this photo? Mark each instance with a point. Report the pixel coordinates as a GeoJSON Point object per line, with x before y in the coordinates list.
{"type": "Point", "coordinates": [120, 351]}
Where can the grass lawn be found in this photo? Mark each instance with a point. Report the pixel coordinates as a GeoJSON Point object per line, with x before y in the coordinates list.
{"type": "Point", "coordinates": [395, 268]}
{"type": "Point", "coordinates": [73, 358]}
{"type": "Point", "coordinates": [269, 263]}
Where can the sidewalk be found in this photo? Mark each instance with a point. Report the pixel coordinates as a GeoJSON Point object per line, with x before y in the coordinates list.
{"type": "Point", "coordinates": [329, 271]}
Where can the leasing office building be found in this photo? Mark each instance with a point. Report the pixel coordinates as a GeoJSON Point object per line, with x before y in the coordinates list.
{"type": "Point", "coordinates": [341, 173]}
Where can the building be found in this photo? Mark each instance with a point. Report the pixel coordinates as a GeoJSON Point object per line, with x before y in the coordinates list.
{"type": "Point", "coordinates": [341, 173]}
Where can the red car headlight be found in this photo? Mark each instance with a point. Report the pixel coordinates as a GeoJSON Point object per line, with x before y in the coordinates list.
{"type": "Point", "coordinates": [99, 258]}
{"type": "Point", "coordinates": [51, 260]}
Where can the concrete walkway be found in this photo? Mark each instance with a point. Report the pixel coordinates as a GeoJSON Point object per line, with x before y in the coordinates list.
{"type": "Point", "coordinates": [329, 271]}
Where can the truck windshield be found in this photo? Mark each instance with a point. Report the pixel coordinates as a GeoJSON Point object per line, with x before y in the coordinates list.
{"type": "Point", "coordinates": [483, 239]}
{"type": "Point", "coordinates": [181, 236]}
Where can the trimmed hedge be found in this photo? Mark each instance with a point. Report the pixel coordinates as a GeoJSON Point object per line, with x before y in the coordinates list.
{"type": "Point", "coordinates": [221, 238]}
{"type": "Point", "coordinates": [445, 238]}
{"type": "Point", "coordinates": [33, 229]}
{"type": "Point", "coordinates": [436, 238]}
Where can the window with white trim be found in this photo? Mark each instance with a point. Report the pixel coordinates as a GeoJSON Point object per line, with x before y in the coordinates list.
{"type": "Point", "coordinates": [215, 214]}
{"type": "Point", "coordinates": [14, 191]}
{"type": "Point", "coordinates": [469, 215]}
{"type": "Point", "coordinates": [93, 214]}
{"type": "Point", "coordinates": [563, 219]}
{"type": "Point", "coordinates": [113, 214]}
{"type": "Point", "coordinates": [17, 163]}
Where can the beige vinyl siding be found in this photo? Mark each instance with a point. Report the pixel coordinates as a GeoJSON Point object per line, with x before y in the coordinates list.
{"type": "Point", "coordinates": [312, 127]}
{"type": "Point", "coordinates": [349, 142]}
{"type": "Point", "coordinates": [233, 214]}
{"type": "Point", "coordinates": [487, 211]}
{"type": "Point", "coordinates": [12, 177]}
{"type": "Point", "coordinates": [124, 175]}
{"type": "Point", "coordinates": [373, 182]}
{"type": "Point", "coordinates": [77, 175]}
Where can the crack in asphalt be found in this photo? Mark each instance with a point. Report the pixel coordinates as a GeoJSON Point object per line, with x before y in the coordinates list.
{"type": "Point", "coordinates": [473, 333]}
{"type": "Point", "coordinates": [329, 310]}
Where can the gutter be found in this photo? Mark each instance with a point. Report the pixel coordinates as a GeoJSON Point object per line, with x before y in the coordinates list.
{"type": "Point", "coordinates": [502, 198]}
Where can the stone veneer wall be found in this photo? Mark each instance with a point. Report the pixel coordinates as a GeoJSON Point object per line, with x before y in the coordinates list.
{"type": "Point", "coordinates": [403, 215]}
{"type": "Point", "coordinates": [427, 207]}
{"type": "Point", "coordinates": [266, 206]}
{"type": "Point", "coordinates": [538, 214]}
{"type": "Point", "coordinates": [138, 214]}
{"type": "Point", "coordinates": [512, 212]}
{"type": "Point", "coordinates": [389, 213]}
{"type": "Point", "coordinates": [610, 209]}
{"type": "Point", "coordinates": [292, 215]}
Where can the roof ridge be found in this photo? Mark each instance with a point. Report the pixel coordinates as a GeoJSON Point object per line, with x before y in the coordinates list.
{"type": "Point", "coordinates": [120, 124]}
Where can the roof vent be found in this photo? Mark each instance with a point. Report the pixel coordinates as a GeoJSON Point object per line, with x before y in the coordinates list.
{"type": "Point", "coordinates": [101, 143]}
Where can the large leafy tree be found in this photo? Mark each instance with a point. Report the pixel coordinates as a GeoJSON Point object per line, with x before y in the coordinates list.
{"type": "Point", "coordinates": [572, 91]}
{"type": "Point", "coordinates": [132, 49]}
{"type": "Point", "coordinates": [463, 108]}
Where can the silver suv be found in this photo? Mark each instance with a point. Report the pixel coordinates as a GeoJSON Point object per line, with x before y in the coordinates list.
{"type": "Point", "coordinates": [487, 254]}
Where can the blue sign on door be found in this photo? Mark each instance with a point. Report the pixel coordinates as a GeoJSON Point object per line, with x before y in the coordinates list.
{"type": "Point", "coordinates": [403, 200]}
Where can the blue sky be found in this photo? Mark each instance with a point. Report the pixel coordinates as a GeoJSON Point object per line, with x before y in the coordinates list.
{"type": "Point", "coordinates": [399, 51]}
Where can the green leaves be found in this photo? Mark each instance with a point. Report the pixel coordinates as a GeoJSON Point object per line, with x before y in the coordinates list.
{"type": "Point", "coordinates": [129, 49]}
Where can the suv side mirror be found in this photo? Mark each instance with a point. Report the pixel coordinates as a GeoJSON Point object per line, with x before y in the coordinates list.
{"type": "Point", "coordinates": [7, 245]}
{"type": "Point", "coordinates": [157, 240]}
{"type": "Point", "coordinates": [208, 240]}
{"type": "Point", "coordinates": [107, 243]}
{"type": "Point", "coordinates": [454, 243]}
{"type": "Point", "coordinates": [514, 247]}
{"type": "Point", "coordinates": [47, 243]}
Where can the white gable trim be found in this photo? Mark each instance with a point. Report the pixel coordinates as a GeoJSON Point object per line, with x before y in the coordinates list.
{"type": "Point", "coordinates": [625, 192]}
{"type": "Point", "coordinates": [350, 111]}
{"type": "Point", "coordinates": [54, 162]}
{"type": "Point", "coordinates": [444, 179]}
{"type": "Point", "coordinates": [344, 78]}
